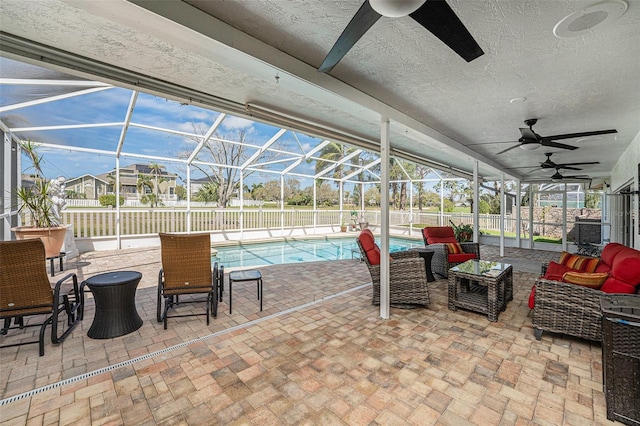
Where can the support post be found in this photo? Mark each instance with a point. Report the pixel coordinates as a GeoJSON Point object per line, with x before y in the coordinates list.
{"type": "Point", "coordinates": [384, 219]}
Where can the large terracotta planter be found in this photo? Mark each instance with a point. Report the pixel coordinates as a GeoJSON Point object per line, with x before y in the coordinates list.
{"type": "Point", "coordinates": [53, 238]}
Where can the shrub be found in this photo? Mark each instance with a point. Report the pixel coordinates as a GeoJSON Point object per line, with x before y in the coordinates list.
{"type": "Point", "coordinates": [109, 200]}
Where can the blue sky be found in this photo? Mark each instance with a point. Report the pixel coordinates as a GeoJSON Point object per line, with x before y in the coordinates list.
{"type": "Point", "coordinates": [110, 106]}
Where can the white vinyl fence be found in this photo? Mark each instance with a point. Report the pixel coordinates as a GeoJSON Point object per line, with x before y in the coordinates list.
{"type": "Point", "coordinates": [101, 222]}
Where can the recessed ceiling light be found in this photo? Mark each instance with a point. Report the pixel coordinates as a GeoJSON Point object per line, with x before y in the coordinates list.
{"type": "Point", "coordinates": [583, 21]}
{"type": "Point", "coordinates": [517, 100]}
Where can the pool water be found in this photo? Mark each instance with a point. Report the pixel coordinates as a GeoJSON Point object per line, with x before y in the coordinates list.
{"type": "Point", "coordinates": [294, 251]}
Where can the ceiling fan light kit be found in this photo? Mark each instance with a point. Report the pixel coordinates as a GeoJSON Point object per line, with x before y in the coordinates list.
{"type": "Point", "coordinates": [529, 146]}
{"type": "Point", "coordinates": [396, 8]}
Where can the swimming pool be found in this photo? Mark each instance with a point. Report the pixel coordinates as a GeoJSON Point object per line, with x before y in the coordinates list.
{"type": "Point", "coordinates": [293, 251]}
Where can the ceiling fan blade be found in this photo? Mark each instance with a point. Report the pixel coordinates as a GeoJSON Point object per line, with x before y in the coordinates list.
{"type": "Point", "coordinates": [580, 135]}
{"type": "Point", "coordinates": [563, 165]}
{"type": "Point", "coordinates": [364, 19]}
{"type": "Point", "coordinates": [560, 166]}
{"type": "Point", "coordinates": [508, 149]}
{"type": "Point", "coordinates": [490, 143]}
{"type": "Point", "coordinates": [437, 17]}
{"type": "Point", "coordinates": [547, 142]}
{"type": "Point", "coordinates": [528, 133]}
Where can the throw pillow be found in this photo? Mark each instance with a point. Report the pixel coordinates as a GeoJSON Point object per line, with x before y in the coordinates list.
{"type": "Point", "coordinates": [579, 263]}
{"type": "Point", "coordinates": [586, 279]}
{"type": "Point", "coordinates": [454, 248]}
{"type": "Point", "coordinates": [555, 271]}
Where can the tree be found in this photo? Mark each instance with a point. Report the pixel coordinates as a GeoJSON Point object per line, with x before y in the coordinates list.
{"type": "Point", "coordinates": [156, 172]}
{"type": "Point", "coordinates": [420, 173]}
{"type": "Point", "coordinates": [220, 159]}
{"type": "Point", "coordinates": [372, 195]}
{"type": "Point", "coordinates": [181, 192]}
{"type": "Point", "coordinates": [144, 182]}
{"type": "Point", "coordinates": [592, 200]}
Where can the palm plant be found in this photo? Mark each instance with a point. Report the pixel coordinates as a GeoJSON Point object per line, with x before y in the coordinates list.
{"type": "Point", "coordinates": [35, 198]}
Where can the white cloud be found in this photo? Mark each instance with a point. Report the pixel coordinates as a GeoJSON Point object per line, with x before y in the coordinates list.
{"type": "Point", "coordinates": [237, 123]}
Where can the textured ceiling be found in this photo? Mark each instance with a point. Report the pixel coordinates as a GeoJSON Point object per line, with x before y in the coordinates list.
{"type": "Point", "coordinates": [440, 106]}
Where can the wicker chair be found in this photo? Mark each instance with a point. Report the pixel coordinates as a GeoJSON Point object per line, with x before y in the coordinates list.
{"type": "Point", "coordinates": [186, 270]}
{"type": "Point", "coordinates": [437, 238]}
{"type": "Point", "coordinates": [25, 290]}
{"type": "Point", "coordinates": [407, 275]}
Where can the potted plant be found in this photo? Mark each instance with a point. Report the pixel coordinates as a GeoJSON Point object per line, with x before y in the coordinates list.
{"type": "Point", "coordinates": [463, 232]}
{"type": "Point", "coordinates": [43, 201]}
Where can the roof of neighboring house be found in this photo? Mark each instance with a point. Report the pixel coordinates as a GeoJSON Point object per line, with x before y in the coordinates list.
{"type": "Point", "coordinates": [86, 176]}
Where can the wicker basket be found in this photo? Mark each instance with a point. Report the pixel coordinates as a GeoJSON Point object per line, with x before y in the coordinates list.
{"type": "Point", "coordinates": [621, 356]}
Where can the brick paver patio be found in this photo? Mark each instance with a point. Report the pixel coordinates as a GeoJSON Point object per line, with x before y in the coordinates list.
{"type": "Point", "coordinates": [317, 354]}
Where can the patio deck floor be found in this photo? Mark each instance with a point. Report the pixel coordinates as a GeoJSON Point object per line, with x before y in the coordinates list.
{"type": "Point", "coordinates": [317, 354]}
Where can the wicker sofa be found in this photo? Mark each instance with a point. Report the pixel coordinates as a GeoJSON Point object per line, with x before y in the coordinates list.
{"type": "Point", "coordinates": [407, 274]}
{"type": "Point", "coordinates": [437, 239]}
{"type": "Point", "coordinates": [572, 309]}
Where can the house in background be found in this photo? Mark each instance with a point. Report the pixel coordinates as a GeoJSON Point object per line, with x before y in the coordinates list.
{"type": "Point", "coordinates": [130, 175]}
{"type": "Point", "coordinates": [87, 187]}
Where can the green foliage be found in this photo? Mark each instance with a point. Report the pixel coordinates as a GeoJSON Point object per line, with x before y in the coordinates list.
{"type": "Point", "coordinates": [152, 200]}
{"type": "Point", "coordinates": [208, 193]}
{"type": "Point", "coordinates": [181, 192]}
{"type": "Point", "coordinates": [109, 200]}
{"type": "Point", "coordinates": [75, 195]}
{"type": "Point", "coordinates": [484, 207]}
{"type": "Point", "coordinates": [463, 232]}
{"type": "Point", "coordinates": [35, 198]}
{"type": "Point", "coordinates": [448, 205]}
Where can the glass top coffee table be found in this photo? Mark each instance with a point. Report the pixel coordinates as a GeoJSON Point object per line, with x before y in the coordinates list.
{"type": "Point", "coordinates": [481, 286]}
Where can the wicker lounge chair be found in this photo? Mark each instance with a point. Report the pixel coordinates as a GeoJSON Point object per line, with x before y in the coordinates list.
{"type": "Point", "coordinates": [25, 290]}
{"type": "Point", "coordinates": [407, 274]}
{"type": "Point", "coordinates": [437, 238]}
{"type": "Point", "coordinates": [186, 271]}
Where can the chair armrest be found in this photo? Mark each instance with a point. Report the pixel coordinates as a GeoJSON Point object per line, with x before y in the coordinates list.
{"type": "Point", "coordinates": [567, 308]}
{"type": "Point", "coordinates": [545, 265]}
{"type": "Point", "coordinates": [407, 254]}
{"type": "Point", "coordinates": [439, 248]}
{"type": "Point", "coordinates": [64, 287]}
{"type": "Point", "coordinates": [412, 269]}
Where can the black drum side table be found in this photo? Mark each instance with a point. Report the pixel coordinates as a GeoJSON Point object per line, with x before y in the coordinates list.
{"type": "Point", "coordinates": [427, 255]}
{"type": "Point", "coordinates": [114, 294]}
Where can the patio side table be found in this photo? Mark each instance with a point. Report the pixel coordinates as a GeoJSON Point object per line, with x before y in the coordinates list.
{"type": "Point", "coordinates": [427, 255]}
{"type": "Point", "coordinates": [621, 356]}
{"type": "Point", "coordinates": [114, 294]}
{"type": "Point", "coordinates": [241, 276]}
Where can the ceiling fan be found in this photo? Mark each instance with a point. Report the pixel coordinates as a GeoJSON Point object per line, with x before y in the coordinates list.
{"type": "Point", "coordinates": [549, 164]}
{"type": "Point", "coordinates": [434, 15]}
{"type": "Point", "coordinates": [530, 140]}
{"type": "Point", "coordinates": [558, 177]}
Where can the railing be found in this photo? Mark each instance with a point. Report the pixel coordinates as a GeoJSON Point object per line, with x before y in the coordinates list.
{"type": "Point", "coordinates": [94, 222]}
